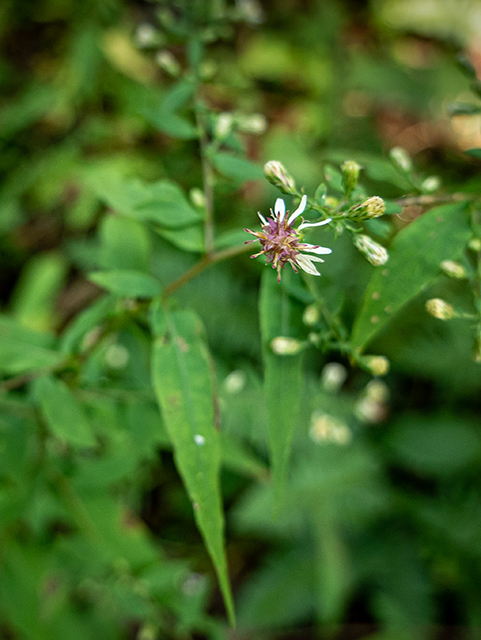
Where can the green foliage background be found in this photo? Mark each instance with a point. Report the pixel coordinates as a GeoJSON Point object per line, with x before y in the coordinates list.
{"type": "Point", "coordinates": [114, 522]}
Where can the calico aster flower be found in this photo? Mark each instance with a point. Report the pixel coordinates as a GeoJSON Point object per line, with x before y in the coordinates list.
{"type": "Point", "coordinates": [282, 243]}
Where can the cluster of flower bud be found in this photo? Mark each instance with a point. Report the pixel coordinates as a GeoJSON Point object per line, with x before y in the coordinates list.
{"type": "Point", "coordinates": [373, 207]}
{"type": "Point", "coordinates": [372, 405]}
{"type": "Point", "coordinates": [374, 252]}
{"type": "Point", "coordinates": [277, 175]}
{"type": "Point", "coordinates": [440, 309]}
{"type": "Point", "coordinates": [326, 428]}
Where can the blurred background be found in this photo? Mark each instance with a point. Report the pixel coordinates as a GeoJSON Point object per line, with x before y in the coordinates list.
{"type": "Point", "coordinates": [380, 534]}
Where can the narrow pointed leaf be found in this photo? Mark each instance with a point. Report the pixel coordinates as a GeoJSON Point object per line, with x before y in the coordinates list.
{"type": "Point", "coordinates": [181, 374]}
{"type": "Point", "coordinates": [127, 283]}
{"type": "Point", "coordinates": [282, 376]}
{"type": "Point", "coordinates": [63, 413]}
{"type": "Point", "coordinates": [414, 258]}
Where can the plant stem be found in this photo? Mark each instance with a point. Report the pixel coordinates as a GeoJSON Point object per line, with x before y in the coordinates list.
{"type": "Point", "coordinates": [429, 200]}
{"type": "Point", "coordinates": [208, 183]}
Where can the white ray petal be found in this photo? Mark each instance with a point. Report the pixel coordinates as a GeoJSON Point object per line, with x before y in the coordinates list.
{"type": "Point", "coordinates": [315, 259]}
{"type": "Point", "coordinates": [299, 210]}
{"type": "Point", "coordinates": [306, 265]}
{"type": "Point", "coordinates": [313, 224]}
{"type": "Point", "coordinates": [280, 209]}
{"type": "Point", "coordinates": [262, 219]}
{"type": "Point", "coordinates": [312, 248]}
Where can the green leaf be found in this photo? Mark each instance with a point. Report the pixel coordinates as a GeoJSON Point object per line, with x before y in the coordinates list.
{"type": "Point", "coordinates": [188, 238]}
{"type": "Point", "coordinates": [88, 319]}
{"type": "Point", "coordinates": [465, 66]}
{"type": "Point", "coordinates": [162, 202]}
{"type": "Point", "coordinates": [164, 117]}
{"type": "Point", "coordinates": [63, 413]}
{"type": "Point", "coordinates": [436, 445]}
{"type": "Point", "coordinates": [35, 297]}
{"type": "Point", "coordinates": [281, 594]}
{"type": "Point", "coordinates": [181, 372]}
{"type": "Point", "coordinates": [463, 109]}
{"type": "Point", "coordinates": [282, 376]}
{"type": "Point", "coordinates": [332, 567]}
{"type": "Point", "coordinates": [124, 244]}
{"type": "Point", "coordinates": [127, 283]}
{"type": "Point", "coordinates": [334, 178]}
{"type": "Point", "coordinates": [474, 153]}
{"type": "Point", "coordinates": [236, 168]}
{"type": "Point", "coordinates": [22, 349]}
{"type": "Point", "coordinates": [414, 259]}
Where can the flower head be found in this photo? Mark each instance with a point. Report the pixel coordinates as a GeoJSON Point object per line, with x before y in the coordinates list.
{"type": "Point", "coordinates": [282, 243]}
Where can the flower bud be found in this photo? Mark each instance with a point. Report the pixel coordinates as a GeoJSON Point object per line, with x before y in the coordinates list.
{"type": "Point", "coordinates": [401, 159]}
{"type": "Point", "coordinates": [377, 365]}
{"type": "Point", "coordinates": [310, 316]}
{"type": "Point", "coordinates": [440, 309]}
{"type": "Point", "coordinates": [333, 376]}
{"type": "Point", "coordinates": [431, 184]}
{"type": "Point", "coordinates": [453, 269]}
{"type": "Point", "coordinates": [282, 346]}
{"type": "Point", "coordinates": [255, 123]}
{"type": "Point", "coordinates": [369, 410]}
{"type": "Point", "coordinates": [223, 125]}
{"type": "Point", "coordinates": [168, 62]}
{"type": "Point", "coordinates": [326, 428]}
{"type": "Point", "coordinates": [350, 176]}
{"type": "Point", "coordinates": [197, 197]}
{"type": "Point", "coordinates": [277, 175]}
{"type": "Point", "coordinates": [235, 382]}
{"type": "Point", "coordinates": [375, 253]}
{"type": "Point", "coordinates": [146, 35]}
{"type": "Point", "coordinates": [373, 207]}
{"type": "Point", "coordinates": [475, 244]}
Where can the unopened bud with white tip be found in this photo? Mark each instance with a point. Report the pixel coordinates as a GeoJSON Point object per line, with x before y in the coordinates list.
{"type": "Point", "coordinates": [283, 346]}
{"type": "Point", "coordinates": [350, 175]}
{"type": "Point", "coordinates": [375, 253]}
{"type": "Point", "coordinates": [373, 207]}
{"type": "Point", "coordinates": [440, 309]}
{"type": "Point", "coordinates": [378, 365]}
{"type": "Point", "coordinates": [277, 175]}
{"type": "Point", "coordinates": [453, 269]}
{"type": "Point", "coordinates": [401, 159]}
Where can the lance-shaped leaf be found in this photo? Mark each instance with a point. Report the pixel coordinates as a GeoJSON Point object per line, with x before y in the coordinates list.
{"type": "Point", "coordinates": [282, 376]}
{"type": "Point", "coordinates": [182, 380]}
{"type": "Point", "coordinates": [63, 413]}
{"type": "Point", "coordinates": [414, 258]}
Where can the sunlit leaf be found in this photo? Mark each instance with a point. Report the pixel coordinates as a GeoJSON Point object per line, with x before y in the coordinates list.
{"type": "Point", "coordinates": [181, 374]}
{"type": "Point", "coordinates": [414, 258]}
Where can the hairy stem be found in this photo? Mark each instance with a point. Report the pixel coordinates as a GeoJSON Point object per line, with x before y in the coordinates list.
{"type": "Point", "coordinates": [208, 183]}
